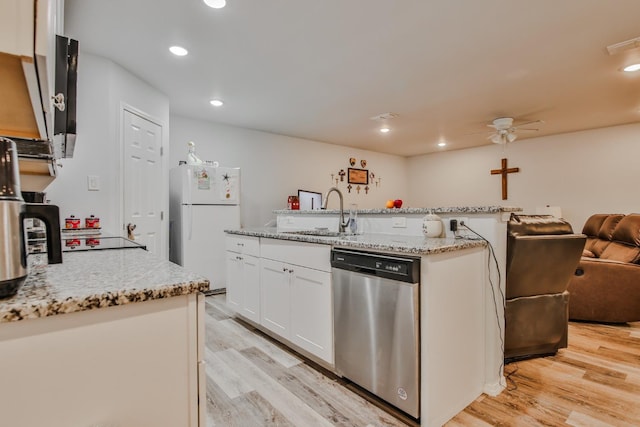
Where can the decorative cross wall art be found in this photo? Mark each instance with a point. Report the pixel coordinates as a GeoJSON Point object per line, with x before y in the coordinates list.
{"type": "Point", "coordinates": [504, 171]}
{"type": "Point", "coordinates": [357, 179]}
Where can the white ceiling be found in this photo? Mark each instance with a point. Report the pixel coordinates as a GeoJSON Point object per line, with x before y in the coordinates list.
{"type": "Point", "coordinates": [319, 69]}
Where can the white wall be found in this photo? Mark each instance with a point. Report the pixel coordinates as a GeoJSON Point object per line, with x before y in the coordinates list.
{"type": "Point", "coordinates": [275, 166]}
{"type": "Point", "coordinates": [584, 173]}
{"type": "Point", "coordinates": [103, 87]}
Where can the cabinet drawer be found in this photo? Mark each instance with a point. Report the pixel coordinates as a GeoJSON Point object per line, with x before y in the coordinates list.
{"type": "Point", "coordinates": [247, 245]}
{"type": "Point", "coordinates": [311, 255]}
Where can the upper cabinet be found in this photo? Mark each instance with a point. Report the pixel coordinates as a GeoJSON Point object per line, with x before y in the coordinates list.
{"type": "Point", "coordinates": [27, 42]}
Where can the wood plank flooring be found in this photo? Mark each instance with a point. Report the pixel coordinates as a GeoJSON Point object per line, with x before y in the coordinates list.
{"type": "Point", "coordinates": [254, 381]}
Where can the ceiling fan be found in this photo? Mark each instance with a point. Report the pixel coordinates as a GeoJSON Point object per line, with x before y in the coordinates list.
{"type": "Point", "coordinates": [506, 131]}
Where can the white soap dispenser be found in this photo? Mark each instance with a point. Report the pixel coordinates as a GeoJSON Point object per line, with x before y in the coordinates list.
{"type": "Point", "coordinates": [432, 225]}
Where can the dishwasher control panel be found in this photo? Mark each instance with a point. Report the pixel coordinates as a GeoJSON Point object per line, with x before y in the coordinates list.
{"type": "Point", "coordinates": [405, 269]}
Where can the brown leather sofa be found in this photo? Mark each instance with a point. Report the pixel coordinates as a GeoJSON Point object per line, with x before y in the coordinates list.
{"type": "Point", "coordinates": [542, 255]}
{"type": "Point", "coordinates": [606, 284]}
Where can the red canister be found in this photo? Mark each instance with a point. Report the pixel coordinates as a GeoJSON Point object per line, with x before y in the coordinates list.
{"type": "Point", "coordinates": [293, 203]}
{"type": "Point", "coordinates": [92, 222]}
{"type": "Point", "coordinates": [72, 222]}
{"type": "Point", "coordinates": [71, 243]}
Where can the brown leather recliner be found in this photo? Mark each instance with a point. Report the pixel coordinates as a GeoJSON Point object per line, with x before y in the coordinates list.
{"type": "Point", "coordinates": [606, 285]}
{"type": "Point", "coordinates": [542, 255]}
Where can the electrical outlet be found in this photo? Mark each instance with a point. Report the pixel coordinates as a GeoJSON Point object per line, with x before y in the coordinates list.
{"type": "Point", "coordinates": [398, 222]}
{"type": "Point", "coordinates": [459, 225]}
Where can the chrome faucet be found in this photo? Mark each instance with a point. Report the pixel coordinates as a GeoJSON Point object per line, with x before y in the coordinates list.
{"type": "Point", "coordinates": [342, 224]}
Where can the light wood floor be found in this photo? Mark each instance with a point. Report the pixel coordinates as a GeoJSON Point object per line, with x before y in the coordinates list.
{"type": "Point", "coordinates": [254, 381]}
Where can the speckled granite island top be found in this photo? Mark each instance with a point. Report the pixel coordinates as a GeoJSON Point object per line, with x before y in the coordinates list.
{"type": "Point", "coordinates": [96, 279]}
{"type": "Point", "coordinates": [409, 211]}
{"type": "Point", "coordinates": [417, 245]}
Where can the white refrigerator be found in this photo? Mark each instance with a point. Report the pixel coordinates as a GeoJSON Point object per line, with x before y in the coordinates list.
{"type": "Point", "coordinates": [203, 202]}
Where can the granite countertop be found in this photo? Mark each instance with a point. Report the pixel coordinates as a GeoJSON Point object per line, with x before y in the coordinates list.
{"type": "Point", "coordinates": [416, 245]}
{"type": "Point", "coordinates": [409, 211]}
{"type": "Point", "coordinates": [96, 279]}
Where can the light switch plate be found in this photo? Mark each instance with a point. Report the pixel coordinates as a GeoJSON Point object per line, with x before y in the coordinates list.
{"type": "Point", "coordinates": [93, 182]}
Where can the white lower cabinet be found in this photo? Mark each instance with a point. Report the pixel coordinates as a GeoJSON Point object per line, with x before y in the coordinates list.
{"type": "Point", "coordinates": [276, 297]}
{"type": "Point", "coordinates": [243, 285]}
{"type": "Point", "coordinates": [285, 287]}
{"type": "Point", "coordinates": [243, 276]}
{"type": "Point", "coordinates": [311, 311]}
{"type": "Point", "coordinates": [296, 301]}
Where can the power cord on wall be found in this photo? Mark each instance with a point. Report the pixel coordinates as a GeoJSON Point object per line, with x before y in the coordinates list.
{"type": "Point", "coordinates": [493, 288]}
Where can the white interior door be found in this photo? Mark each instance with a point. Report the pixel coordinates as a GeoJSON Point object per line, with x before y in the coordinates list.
{"type": "Point", "coordinates": [143, 182]}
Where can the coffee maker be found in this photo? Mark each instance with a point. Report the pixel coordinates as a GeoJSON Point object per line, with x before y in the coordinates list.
{"type": "Point", "coordinates": [13, 212]}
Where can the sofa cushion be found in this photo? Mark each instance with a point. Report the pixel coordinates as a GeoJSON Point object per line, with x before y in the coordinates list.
{"type": "Point", "coordinates": [587, 253]}
{"type": "Point", "coordinates": [609, 225]}
{"type": "Point", "coordinates": [593, 224]}
{"type": "Point", "coordinates": [628, 230]}
{"type": "Point", "coordinates": [620, 252]}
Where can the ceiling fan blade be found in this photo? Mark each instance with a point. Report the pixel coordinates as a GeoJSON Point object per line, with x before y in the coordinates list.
{"type": "Point", "coordinates": [528, 129]}
{"type": "Point", "coordinates": [519, 125]}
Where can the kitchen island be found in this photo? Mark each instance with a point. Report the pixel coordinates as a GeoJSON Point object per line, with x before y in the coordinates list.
{"type": "Point", "coordinates": [281, 282]}
{"type": "Point", "coordinates": [110, 337]}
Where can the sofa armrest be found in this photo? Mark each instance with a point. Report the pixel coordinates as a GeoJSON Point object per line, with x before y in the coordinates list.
{"type": "Point", "coordinates": [605, 291]}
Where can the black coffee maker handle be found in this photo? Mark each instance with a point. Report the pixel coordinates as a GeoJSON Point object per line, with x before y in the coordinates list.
{"type": "Point", "coordinates": [50, 215]}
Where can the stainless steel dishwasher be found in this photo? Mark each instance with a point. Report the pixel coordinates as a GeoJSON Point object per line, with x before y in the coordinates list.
{"type": "Point", "coordinates": [377, 324]}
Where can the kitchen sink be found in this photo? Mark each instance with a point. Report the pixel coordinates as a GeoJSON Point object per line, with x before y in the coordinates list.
{"type": "Point", "coordinates": [320, 232]}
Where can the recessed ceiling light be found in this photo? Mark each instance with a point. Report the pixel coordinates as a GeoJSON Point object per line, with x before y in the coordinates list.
{"type": "Point", "coordinates": [384, 130]}
{"type": "Point", "coordinates": [216, 103]}
{"type": "Point", "coordinates": [631, 68]}
{"type": "Point", "coordinates": [442, 144]}
{"type": "Point", "coordinates": [178, 50]}
{"type": "Point", "coordinates": [216, 4]}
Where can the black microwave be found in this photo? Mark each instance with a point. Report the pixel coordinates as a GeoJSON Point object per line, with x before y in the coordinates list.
{"type": "Point", "coordinates": [65, 96]}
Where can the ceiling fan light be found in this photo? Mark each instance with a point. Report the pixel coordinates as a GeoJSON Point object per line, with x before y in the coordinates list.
{"type": "Point", "coordinates": [216, 4]}
{"type": "Point", "coordinates": [497, 139]}
{"type": "Point", "coordinates": [631, 68]}
{"type": "Point", "coordinates": [511, 137]}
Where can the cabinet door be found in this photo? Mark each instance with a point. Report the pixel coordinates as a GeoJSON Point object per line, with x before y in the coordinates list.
{"type": "Point", "coordinates": [251, 287]}
{"type": "Point", "coordinates": [275, 297]}
{"type": "Point", "coordinates": [235, 281]}
{"type": "Point", "coordinates": [311, 311]}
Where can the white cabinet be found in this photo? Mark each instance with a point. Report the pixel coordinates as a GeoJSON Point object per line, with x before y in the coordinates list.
{"type": "Point", "coordinates": [276, 297]}
{"type": "Point", "coordinates": [243, 276]}
{"type": "Point", "coordinates": [296, 300]}
{"type": "Point", "coordinates": [138, 364]}
{"type": "Point", "coordinates": [312, 312]}
{"type": "Point", "coordinates": [27, 52]}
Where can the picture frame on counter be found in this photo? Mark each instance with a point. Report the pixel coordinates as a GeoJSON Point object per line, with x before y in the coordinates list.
{"type": "Point", "coordinates": [309, 200]}
{"type": "Point", "coordinates": [358, 176]}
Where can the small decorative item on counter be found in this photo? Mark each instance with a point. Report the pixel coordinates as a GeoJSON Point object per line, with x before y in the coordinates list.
{"type": "Point", "coordinates": [293, 203]}
{"type": "Point", "coordinates": [92, 222]}
{"type": "Point", "coordinates": [432, 225]}
{"type": "Point", "coordinates": [192, 158]}
{"type": "Point", "coordinates": [72, 222]}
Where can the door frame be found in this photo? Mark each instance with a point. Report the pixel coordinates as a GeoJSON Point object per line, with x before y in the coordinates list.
{"type": "Point", "coordinates": [164, 166]}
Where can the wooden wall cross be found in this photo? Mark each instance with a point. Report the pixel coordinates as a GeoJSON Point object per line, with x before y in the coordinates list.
{"type": "Point", "coordinates": [504, 171]}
